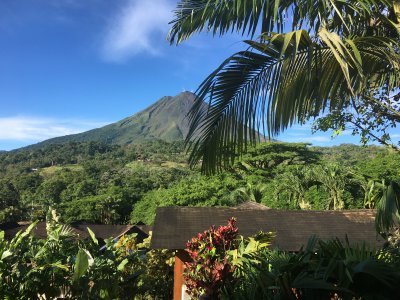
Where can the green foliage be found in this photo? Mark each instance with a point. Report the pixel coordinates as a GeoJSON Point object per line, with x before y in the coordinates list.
{"type": "Point", "coordinates": [250, 193]}
{"type": "Point", "coordinates": [388, 212]}
{"type": "Point", "coordinates": [195, 190]}
{"type": "Point", "coordinates": [50, 191]}
{"type": "Point", "coordinates": [111, 273]}
{"type": "Point", "coordinates": [122, 184]}
{"type": "Point", "coordinates": [343, 65]}
{"type": "Point", "coordinates": [9, 202]}
{"type": "Point", "coordinates": [87, 181]}
{"type": "Point", "coordinates": [218, 256]}
{"type": "Point", "coordinates": [319, 271]}
{"type": "Point", "coordinates": [157, 279]}
{"type": "Point", "coordinates": [110, 207]}
{"type": "Point", "coordinates": [385, 166]}
{"type": "Point", "coordinates": [294, 176]}
{"type": "Point", "coordinates": [9, 195]}
{"type": "Point", "coordinates": [64, 266]}
{"type": "Point", "coordinates": [33, 268]}
{"type": "Point", "coordinates": [226, 267]}
{"type": "Point", "coordinates": [295, 183]}
{"type": "Point", "coordinates": [269, 159]}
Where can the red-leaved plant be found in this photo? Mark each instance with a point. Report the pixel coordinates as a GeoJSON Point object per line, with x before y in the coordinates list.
{"type": "Point", "coordinates": [210, 269]}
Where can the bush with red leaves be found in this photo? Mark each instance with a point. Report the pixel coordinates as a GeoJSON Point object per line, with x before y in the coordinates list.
{"type": "Point", "coordinates": [210, 270]}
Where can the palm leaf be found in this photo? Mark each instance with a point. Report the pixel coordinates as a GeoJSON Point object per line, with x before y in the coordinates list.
{"type": "Point", "coordinates": [388, 209]}
{"type": "Point", "coordinates": [246, 17]}
{"type": "Point", "coordinates": [280, 81]}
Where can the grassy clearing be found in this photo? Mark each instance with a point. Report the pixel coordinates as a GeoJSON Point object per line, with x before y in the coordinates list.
{"type": "Point", "coordinates": [49, 171]}
{"type": "Point", "coordinates": [164, 164]}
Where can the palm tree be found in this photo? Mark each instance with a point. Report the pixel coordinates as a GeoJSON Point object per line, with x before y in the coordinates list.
{"type": "Point", "coordinates": [295, 183]}
{"type": "Point", "coordinates": [373, 190]}
{"type": "Point", "coordinates": [338, 57]}
{"type": "Point", "coordinates": [388, 210]}
{"type": "Point", "coordinates": [333, 179]}
{"type": "Point", "coordinates": [250, 192]}
{"type": "Point", "coordinates": [347, 57]}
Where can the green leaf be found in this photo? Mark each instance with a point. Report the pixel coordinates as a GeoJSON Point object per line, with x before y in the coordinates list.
{"type": "Point", "coordinates": [355, 50]}
{"type": "Point", "coordinates": [60, 266]}
{"type": "Point", "coordinates": [332, 40]}
{"type": "Point", "coordinates": [6, 254]}
{"type": "Point", "coordinates": [93, 236]}
{"type": "Point", "coordinates": [388, 210]}
{"type": "Point", "coordinates": [121, 266]}
{"type": "Point", "coordinates": [396, 8]}
{"type": "Point", "coordinates": [286, 41]}
{"type": "Point", "coordinates": [20, 236]}
{"type": "Point", "coordinates": [81, 264]}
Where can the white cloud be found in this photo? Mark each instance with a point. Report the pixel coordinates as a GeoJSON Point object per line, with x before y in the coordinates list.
{"type": "Point", "coordinates": [309, 139]}
{"type": "Point", "coordinates": [34, 129]}
{"type": "Point", "coordinates": [321, 139]}
{"type": "Point", "coordinates": [134, 28]}
{"type": "Point", "coordinates": [301, 127]}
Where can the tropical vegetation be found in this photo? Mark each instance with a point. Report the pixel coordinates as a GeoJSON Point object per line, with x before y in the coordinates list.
{"type": "Point", "coordinates": [122, 184]}
{"type": "Point", "coordinates": [334, 62]}
{"type": "Point", "coordinates": [304, 58]}
{"type": "Point", "coordinates": [64, 266]}
{"type": "Point", "coordinates": [226, 266]}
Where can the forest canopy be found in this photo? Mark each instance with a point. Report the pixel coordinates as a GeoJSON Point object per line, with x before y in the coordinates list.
{"type": "Point", "coordinates": [96, 182]}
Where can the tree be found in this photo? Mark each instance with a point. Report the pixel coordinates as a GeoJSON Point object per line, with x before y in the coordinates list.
{"type": "Point", "coordinates": [271, 158]}
{"type": "Point", "coordinates": [191, 191]}
{"type": "Point", "coordinates": [9, 202]}
{"type": "Point", "coordinates": [333, 179]}
{"type": "Point", "coordinates": [347, 60]}
{"type": "Point", "coordinates": [295, 183]}
{"type": "Point", "coordinates": [250, 192]}
{"type": "Point", "coordinates": [9, 195]}
{"type": "Point", "coordinates": [372, 189]}
{"type": "Point", "coordinates": [50, 191]}
{"type": "Point", "coordinates": [345, 64]}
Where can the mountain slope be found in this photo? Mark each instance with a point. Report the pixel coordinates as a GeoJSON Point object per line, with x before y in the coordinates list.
{"type": "Point", "coordinates": [165, 120]}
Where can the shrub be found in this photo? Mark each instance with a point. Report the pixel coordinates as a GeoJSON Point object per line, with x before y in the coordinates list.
{"type": "Point", "coordinates": [218, 258]}
{"type": "Point", "coordinates": [210, 269]}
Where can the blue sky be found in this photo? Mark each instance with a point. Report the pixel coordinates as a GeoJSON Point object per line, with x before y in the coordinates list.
{"type": "Point", "coordinates": [71, 65]}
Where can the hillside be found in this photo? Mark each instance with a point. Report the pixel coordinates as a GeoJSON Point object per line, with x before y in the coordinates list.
{"type": "Point", "coordinates": [164, 120]}
{"type": "Point", "coordinates": [97, 182]}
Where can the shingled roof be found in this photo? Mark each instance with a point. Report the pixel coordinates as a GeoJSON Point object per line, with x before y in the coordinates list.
{"type": "Point", "coordinates": [174, 226]}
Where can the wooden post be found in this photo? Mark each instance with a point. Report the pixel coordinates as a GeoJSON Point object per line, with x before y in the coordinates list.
{"type": "Point", "coordinates": [181, 257]}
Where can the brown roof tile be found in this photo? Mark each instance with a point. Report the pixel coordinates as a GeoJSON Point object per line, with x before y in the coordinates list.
{"type": "Point", "coordinates": [174, 226]}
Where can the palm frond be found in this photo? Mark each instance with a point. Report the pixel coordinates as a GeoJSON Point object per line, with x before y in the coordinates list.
{"type": "Point", "coordinates": [247, 17]}
{"type": "Point", "coordinates": [281, 80]}
{"type": "Point", "coordinates": [222, 16]}
{"type": "Point", "coordinates": [388, 209]}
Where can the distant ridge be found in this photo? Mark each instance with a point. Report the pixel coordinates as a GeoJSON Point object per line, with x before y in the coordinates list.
{"type": "Point", "coordinates": [164, 120]}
